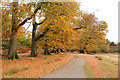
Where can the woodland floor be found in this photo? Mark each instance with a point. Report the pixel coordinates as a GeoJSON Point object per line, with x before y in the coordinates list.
{"type": "Point", "coordinates": [38, 67]}
{"type": "Point", "coordinates": [34, 67]}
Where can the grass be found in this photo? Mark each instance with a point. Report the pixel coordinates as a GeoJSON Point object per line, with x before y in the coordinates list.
{"type": "Point", "coordinates": [5, 58]}
{"type": "Point", "coordinates": [36, 76]}
{"type": "Point", "coordinates": [107, 69]}
{"type": "Point", "coordinates": [14, 69]}
{"type": "Point", "coordinates": [7, 76]}
{"type": "Point", "coordinates": [49, 61]}
{"type": "Point", "coordinates": [52, 54]}
{"type": "Point", "coordinates": [57, 59]}
{"type": "Point", "coordinates": [20, 58]}
{"type": "Point", "coordinates": [104, 66]}
{"type": "Point", "coordinates": [7, 62]}
{"type": "Point", "coordinates": [108, 66]}
{"type": "Point", "coordinates": [109, 62]}
{"type": "Point", "coordinates": [46, 69]}
{"type": "Point", "coordinates": [88, 71]}
{"type": "Point", "coordinates": [56, 64]}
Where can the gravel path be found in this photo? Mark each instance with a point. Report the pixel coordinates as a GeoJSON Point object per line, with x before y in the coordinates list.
{"type": "Point", "coordinates": [73, 69]}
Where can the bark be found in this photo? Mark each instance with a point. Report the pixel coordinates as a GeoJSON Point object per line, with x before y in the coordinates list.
{"type": "Point", "coordinates": [36, 38]}
{"type": "Point", "coordinates": [58, 51]}
{"type": "Point", "coordinates": [33, 48]}
{"type": "Point", "coordinates": [85, 52]}
{"type": "Point", "coordinates": [34, 42]}
{"type": "Point", "coordinates": [42, 34]}
{"type": "Point", "coordinates": [46, 51]}
{"type": "Point", "coordinates": [72, 51]}
{"type": "Point", "coordinates": [12, 52]}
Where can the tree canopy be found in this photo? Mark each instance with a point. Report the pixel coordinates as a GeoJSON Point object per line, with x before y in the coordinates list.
{"type": "Point", "coordinates": [55, 25]}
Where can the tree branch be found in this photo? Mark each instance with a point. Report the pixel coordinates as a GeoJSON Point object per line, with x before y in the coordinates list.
{"type": "Point", "coordinates": [28, 27]}
{"type": "Point", "coordinates": [22, 23]}
{"type": "Point", "coordinates": [42, 34]}
{"type": "Point", "coordinates": [41, 22]}
{"type": "Point", "coordinates": [78, 28]}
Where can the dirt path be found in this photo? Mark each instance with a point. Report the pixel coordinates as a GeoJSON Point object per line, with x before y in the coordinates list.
{"type": "Point", "coordinates": [73, 69]}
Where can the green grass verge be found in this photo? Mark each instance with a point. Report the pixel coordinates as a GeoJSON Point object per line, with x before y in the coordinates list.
{"type": "Point", "coordinates": [88, 71]}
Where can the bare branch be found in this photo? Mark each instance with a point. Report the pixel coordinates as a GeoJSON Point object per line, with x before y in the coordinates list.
{"type": "Point", "coordinates": [28, 22]}
{"type": "Point", "coordinates": [28, 27]}
{"type": "Point", "coordinates": [22, 23]}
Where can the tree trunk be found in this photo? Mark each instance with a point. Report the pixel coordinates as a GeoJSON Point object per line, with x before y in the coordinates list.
{"type": "Point", "coordinates": [58, 51]}
{"type": "Point", "coordinates": [12, 52]}
{"type": "Point", "coordinates": [36, 38]}
{"type": "Point", "coordinates": [85, 52]}
{"type": "Point", "coordinates": [33, 48]}
{"type": "Point", "coordinates": [34, 42]}
{"type": "Point", "coordinates": [72, 51]}
{"type": "Point", "coordinates": [46, 51]}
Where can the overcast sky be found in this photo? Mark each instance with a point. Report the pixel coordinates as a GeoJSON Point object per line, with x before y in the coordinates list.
{"type": "Point", "coordinates": [106, 10]}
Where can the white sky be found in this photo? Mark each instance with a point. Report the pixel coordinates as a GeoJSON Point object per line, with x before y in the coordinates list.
{"type": "Point", "coordinates": [106, 10]}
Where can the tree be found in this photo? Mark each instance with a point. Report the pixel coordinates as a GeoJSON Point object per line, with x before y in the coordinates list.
{"type": "Point", "coordinates": [12, 53]}
{"type": "Point", "coordinates": [24, 38]}
{"type": "Point", "coordinates": [113, 44]}
{"type": "Point", "coordinates": [7, 31]}
{"type": "Point", "coordinates": [92, 33]}
{"type": "Point", "coordinates": [58, 37]}
{"type": "Point", "coordinates": [53, 12]}
{"type": "Point", "coordinates": [119, 47]}
{"type": "Point", "coordinates": [21, 13]}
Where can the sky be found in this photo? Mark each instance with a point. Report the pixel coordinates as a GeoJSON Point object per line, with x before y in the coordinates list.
{"type": "Point", "coordinates": [106, 10]}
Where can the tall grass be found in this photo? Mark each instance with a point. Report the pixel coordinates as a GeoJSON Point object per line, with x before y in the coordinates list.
{"type": "Point", "coordinates": [14, 69]}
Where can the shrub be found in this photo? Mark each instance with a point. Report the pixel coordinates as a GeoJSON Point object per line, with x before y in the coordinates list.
{"type": "Point", "coordinates": [99, 58]}
{"type": "Point", "coordinates": [96, 57]}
